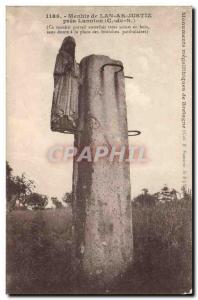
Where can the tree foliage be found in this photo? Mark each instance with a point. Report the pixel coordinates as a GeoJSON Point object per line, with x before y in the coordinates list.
{"type": "Point", "coordinates": [56, 202]}
{"type": "Point", "coordinates": [145, 199]}
{"type": "Point", "coordinates": [164, 195]}
{"type": "Point", "coordinates": [36, 201]}
{"type": "Point", "coordinates": [67, 198]}
{"type": "Point", "coordinates": [21, 189]}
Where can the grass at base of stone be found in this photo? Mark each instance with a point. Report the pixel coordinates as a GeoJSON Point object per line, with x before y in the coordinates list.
{"type": "Point", "coordinates": [39, 253]}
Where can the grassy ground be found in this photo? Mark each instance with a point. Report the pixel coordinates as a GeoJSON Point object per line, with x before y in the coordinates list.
{"type": "Point", "coordinates": [39, 252]}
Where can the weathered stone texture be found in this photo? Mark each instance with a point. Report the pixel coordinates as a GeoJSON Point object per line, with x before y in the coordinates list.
{"type": "Point", "coordinates": [102, 202]}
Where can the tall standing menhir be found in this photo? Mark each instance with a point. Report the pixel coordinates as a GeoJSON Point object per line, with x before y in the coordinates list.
{"type": "Point", "coordinates": [89, 101]}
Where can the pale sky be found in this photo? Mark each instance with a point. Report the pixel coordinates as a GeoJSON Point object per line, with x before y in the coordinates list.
{"type": "Point", "coordinates": [153, 97]}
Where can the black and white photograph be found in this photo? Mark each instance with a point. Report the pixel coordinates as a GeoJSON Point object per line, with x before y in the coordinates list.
{"type": "Point", "coordinates": [99, 150]}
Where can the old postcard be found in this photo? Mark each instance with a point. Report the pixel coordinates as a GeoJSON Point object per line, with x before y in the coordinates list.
{"type": "Point", "coordinates": [99, 150]}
